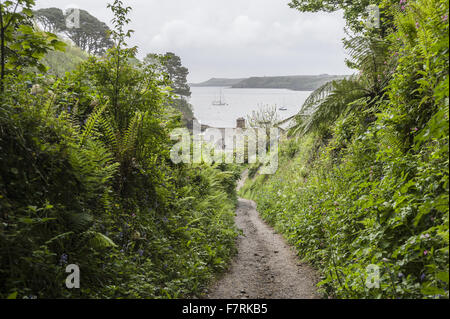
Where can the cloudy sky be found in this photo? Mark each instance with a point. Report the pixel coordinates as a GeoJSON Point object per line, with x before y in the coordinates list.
{"type": "Point", "coordinates": [232, 38]}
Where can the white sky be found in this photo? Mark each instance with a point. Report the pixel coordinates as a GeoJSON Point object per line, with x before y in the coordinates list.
{"type": "Point", "coordinates": [231, 38]}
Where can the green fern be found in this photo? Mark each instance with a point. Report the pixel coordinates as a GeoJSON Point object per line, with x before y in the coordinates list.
{"type": "Point", "coordinates": [98, 240]}
{"type": "Point", "coordinates": [329, 102]}
{"type": "Point", "coordinates": [131, 134]}
{"type": "Point", "coordinates": [91, 122]}
{"type": "Point", "coordinates": [326, 104]}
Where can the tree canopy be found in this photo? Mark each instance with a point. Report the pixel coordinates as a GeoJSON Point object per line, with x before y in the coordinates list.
{"type": "Point", "coordinates": [177, 73]}
{"type": "Point", "coordinates": [353, 10]}
{"type": "Point", "coordinates": [93, 35]}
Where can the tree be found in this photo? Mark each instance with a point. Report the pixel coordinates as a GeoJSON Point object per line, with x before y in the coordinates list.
{"type": "Point", "coordinates": [368, 53]}
{"type": "Point", "coordinates": [172, 66]}
{"type": "Point", "coordinates": [355, 11]}
{"type": "Point", "coordinates": [51, 19]}
{"type": "Point", "coordinates": [177, 74]}
{"type": "Point", "coordinates": [92, 36]}
{"type": "Point", "coordinates": [20, 44]}
{"type": "Point", "coordinates": [265, 118]}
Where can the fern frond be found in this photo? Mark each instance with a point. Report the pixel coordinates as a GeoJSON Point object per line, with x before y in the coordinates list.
{"type": "Point", "coordinates": [97, 240]}
{"type": "Point", "coordinates": [326, 104]}
{"type": "Point", "coordinates": [108, 134]}
{"type": "Point", "coordinates": [131, 134]}
{"type": "Point", "coordinates": [91, 122]}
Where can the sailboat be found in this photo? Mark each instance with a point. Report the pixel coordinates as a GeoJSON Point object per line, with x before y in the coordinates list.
{"type": "Point", "coordinates": [220, 101]}
{"type": "Point", "coordinates": [283, 108]}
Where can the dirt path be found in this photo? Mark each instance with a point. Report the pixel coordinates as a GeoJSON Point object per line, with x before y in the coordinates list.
{"type": "Point", "coordinates": [265, 266]}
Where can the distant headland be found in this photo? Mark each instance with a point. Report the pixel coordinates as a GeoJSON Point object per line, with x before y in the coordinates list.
{"type": "Point", "coordinates": [292, 82]}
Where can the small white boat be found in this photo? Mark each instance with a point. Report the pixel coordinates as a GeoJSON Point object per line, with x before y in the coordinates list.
{"type": "Point", "coordinates": [220, 101]}
{"type": "Point", "coordinates": [282, 108]}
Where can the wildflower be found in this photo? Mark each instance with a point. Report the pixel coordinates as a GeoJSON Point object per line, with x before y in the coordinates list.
{"type": "Point", "coordinates": [385, 259]}
{"type": "Point", "coordinates": [417, 25]}
{"type": "Point", "coordinates": [445, 17]}
{"type": "Point", "coordinates": [401, 275]}
{"type": "Point", "coordinates": [425, 252]}
{"type": "Point", "coordinates": [133, 215]}
{"type": "Point", "coordinates": [140, 252]}
{"type": "Point", "coordinates": [403, 8]}
{"type": "Point", "coordinates": [63, 259]}
{"type": "Point", "coordinates": [424, 236]}
{"type": "Point", "coordinates": [422, 277]}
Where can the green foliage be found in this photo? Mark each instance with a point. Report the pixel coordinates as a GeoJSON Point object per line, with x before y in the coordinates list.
{"type": "Point", "coordinates": [52, 191]}
{"type": "Point", "coordinates": [92, 36]}
{"type": "Point", "coordinates": [326, 104]}
{"type": "Point", "coordinates": [176, 78]}
{"type": "Point", "coordinates": [21, 46]}
{"type": "Point", "coordinates": [171, 64]}
{"type": "Point", "coordinates": [354, 11]}
{"type": "Point", "coordinates": [60, 62]}
{"type": "Point", "coordinates": [51, 19]}
{"type": "Point", "coordinates": [375, 190]}
{"type": "Point", "coordinates": [187, 113]}
{"type": "Point", "coordinates": [86, 178]}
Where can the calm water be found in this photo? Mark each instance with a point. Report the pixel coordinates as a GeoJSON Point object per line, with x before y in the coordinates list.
{"type": "Point", "coordinates": [241, 102]}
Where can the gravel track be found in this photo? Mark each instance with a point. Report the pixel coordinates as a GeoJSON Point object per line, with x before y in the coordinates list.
{"type": "Point", "coordinates": [266, 267]}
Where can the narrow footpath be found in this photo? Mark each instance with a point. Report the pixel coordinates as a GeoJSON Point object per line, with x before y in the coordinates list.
{"type": "Point", "coordinates": [265, 266]}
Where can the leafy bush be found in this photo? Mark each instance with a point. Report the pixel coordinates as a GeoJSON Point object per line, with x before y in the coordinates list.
{"type": "Point", "coordinates": [86, 179]}
{"type": "Point", "coordinates": [61, 62]}
{"type": "Point", "coordinates": [376, 192]}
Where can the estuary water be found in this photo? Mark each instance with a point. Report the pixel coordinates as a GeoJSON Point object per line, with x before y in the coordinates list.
{"type": "Point", "coordinates": [241, 102]}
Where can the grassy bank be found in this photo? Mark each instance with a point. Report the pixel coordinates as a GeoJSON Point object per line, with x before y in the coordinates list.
{"type": "Point", "coordinates": [362, 183]}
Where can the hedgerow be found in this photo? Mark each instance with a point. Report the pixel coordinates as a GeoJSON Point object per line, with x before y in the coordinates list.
{"type": "Point", "coordinates": [368, 187]}
{"type": "Point", "coordinates": [86, 178]}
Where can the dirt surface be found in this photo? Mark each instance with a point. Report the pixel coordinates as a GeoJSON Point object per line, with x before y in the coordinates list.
{"type": "Point", "coordinates": [265, 266]}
